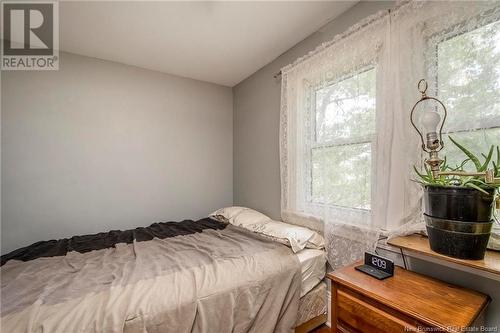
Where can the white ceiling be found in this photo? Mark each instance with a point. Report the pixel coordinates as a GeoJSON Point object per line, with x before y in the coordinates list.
{"type": "Point", "coordinates": [219, 42]}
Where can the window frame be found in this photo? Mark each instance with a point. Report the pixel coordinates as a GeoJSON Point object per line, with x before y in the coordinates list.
{"type": "Point", "coordinates": [311, 132]}
{"type": "Point", "coordinates": [433, 46]}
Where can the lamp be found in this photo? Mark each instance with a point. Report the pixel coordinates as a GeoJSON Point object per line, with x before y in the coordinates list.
{"type": "Point", "coordinates": [430, 121]}
{"type": "Point", "coordinates": [434, 140]}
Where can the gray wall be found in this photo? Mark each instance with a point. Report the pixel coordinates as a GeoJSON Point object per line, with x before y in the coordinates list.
{"type": "Point", "coordinates": [99, 145]}
{"type": "Point", "coordinates": [256, 118]}
{"type": "Point", "coordinates": [256, 146]}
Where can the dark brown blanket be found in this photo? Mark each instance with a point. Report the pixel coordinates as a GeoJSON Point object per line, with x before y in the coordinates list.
{"type": "Point", "coordinates": [103, 240]}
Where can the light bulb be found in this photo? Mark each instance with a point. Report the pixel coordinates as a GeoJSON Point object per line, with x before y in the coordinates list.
{"type": "Point", "coordinates": [430, 121]}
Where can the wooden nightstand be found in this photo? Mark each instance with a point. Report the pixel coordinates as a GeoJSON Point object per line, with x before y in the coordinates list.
{"type": "Point", "coordinates": [402, 303]}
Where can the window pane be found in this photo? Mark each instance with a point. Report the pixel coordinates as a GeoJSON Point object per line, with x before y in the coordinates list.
{"type": "Point", "coordinates": [475, 141]}
{"type": "Point", "coordinates": [341, 175]}
{"type": "Point", "coordinates": [346, 109]}
{"type": "Point", "coordinates": [469, 78]}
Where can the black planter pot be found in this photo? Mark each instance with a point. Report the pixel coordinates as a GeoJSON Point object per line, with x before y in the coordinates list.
{"type": "Point", "coordinates": [458, 239]}
{"type": "Point", "coordinates": [458, 203]}
{"type": "Point", "coordinates": [458, 220]}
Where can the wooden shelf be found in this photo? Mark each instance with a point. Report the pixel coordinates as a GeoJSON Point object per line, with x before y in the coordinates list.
{"type": "Point", "coordinates": [420, 244]}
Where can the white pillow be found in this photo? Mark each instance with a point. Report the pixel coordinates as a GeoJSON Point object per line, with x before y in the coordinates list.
{"type": "Point", "coordinates": [297, 237]}
{"type": "Point", "coordinates": [294, 236]}
{"type": "Point", "coordinates": [240, 216]}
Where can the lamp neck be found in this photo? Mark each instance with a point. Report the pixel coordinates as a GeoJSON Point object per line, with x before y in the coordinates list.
{"type": "Point", "coordinates": [434, 162]}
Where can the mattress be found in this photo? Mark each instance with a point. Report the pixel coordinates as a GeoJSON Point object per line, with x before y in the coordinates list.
{"type": "Point", "coordinates": [313, 268]}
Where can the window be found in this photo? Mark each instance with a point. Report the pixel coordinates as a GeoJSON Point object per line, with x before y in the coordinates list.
{"type": "Point", "coordinates": [347, 147]}
{"type": "Point", "coordinates": [342, 137]}
{"type": "Point", "coordinates": [468, 76]}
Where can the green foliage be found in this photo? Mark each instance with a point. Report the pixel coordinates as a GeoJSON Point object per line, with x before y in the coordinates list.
{"type": "Point", "coordinates": [341, 175]}
{"type": "Point", "coordinates": [344, 119]}
{"type": "Point", "coordinates": [468, 77]}
{"type": "Point", "coordinates": [345, 110]}
{"type": "Point", "coordinates": [475, 182]}
{"type": "Point", "coordinates": [468, 83]}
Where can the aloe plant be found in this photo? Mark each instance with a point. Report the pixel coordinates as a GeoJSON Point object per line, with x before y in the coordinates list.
{"type": "Point", "coordinates": [475, 182]}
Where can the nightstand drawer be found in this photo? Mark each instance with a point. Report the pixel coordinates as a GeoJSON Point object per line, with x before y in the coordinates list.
{"type": "Point", "coordinates": [364, 317]}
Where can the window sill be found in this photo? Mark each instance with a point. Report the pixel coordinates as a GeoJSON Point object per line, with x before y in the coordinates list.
{"type": "Point", "coordinates": [419, 244]}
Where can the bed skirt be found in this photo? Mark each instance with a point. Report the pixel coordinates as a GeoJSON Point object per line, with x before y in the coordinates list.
{"type": "Point", "coordinates": [312, 309]}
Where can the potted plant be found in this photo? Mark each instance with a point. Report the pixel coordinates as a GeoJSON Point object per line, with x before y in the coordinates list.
{"type": "Point", "coordinates": [460, 205]}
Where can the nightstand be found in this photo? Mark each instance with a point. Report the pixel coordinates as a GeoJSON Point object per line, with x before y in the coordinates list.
{"type": "Point", "coordinates": [405, 302]}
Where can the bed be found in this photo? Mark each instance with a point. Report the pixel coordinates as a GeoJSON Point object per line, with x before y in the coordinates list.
{"type": "Point", "coordinates": [211, 275]}
{"type": "Point", "coordinates": [312, 304]}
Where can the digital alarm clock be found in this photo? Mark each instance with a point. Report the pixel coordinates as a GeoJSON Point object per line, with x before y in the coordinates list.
{"type": "Point", "coordinates": [377, 266]}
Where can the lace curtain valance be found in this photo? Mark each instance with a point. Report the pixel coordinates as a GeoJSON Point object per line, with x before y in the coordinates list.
{"type": "Point", "coordinates": [347, 148]}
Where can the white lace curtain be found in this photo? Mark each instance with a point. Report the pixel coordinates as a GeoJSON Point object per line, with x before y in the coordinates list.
{"type": "Point", "coordinates": [381, 59]}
